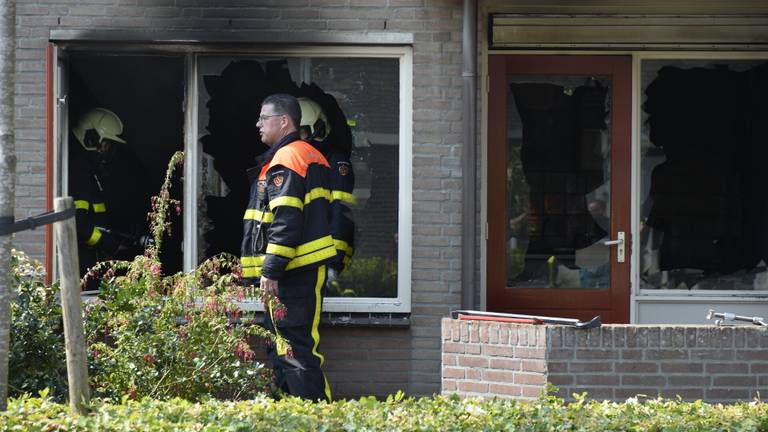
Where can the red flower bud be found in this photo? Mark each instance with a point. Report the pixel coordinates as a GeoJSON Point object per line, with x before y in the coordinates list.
{"type": "Point", "coordinates": [279, 314]}
{"type": "Point", "coordinates": [156, 270]}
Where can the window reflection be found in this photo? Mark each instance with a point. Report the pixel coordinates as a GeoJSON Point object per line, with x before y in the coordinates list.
{"type": "Point", "coordinates": [704, 214]}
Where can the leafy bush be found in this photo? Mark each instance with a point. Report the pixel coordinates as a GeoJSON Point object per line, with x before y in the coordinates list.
{"type": "Point", "coordinates": [36, 360]}
{"type": "Point", "coordinates": [177, 336]}
{"type": "Point", "coordinates": [148, 334]}
{"type": "Point", "coordinates": [395, 414]}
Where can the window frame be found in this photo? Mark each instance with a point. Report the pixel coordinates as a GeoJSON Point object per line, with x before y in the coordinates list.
{"type": "Point", "coordinates": [666, 295]}
{"type": "Point", "coordinates": [369, 48]}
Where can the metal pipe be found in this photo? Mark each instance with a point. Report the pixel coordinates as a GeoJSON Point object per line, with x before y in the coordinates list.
{"type": "Point", "coordinates": [469, 158]}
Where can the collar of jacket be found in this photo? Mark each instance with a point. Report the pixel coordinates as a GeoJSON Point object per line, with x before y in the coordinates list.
{"type": "Point", "coordinates": [267, 156]}
{"type": "Point", "coordinates": [264, 158]}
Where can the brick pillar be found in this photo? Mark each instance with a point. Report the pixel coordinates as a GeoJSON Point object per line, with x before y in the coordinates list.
{"type": "Point", "coordinates": [483, 358]}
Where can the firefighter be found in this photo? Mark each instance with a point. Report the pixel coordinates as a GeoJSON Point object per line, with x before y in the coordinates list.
{"type": "Point", "coordinates": [95, 134]}
{"type": "Point", "coordinates": [287, 245]}
{"type": "Point", "coordinates": [96, 130]}
{"type": "Point", "coordinates": [316, 129]}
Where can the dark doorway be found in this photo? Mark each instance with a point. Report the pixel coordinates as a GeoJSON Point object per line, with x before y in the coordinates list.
{"type": "Point", "coordinates": [147, 93]}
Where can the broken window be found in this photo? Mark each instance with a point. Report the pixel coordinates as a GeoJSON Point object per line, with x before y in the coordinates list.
{"type": "Point", "coordinates": [704, 212]}
{"type": "Point", "coordinates": [125, 121]}
{"type": "Point", "coordinates": [361, 99]}
{"type": "Point", "coordinates": [207, 103]}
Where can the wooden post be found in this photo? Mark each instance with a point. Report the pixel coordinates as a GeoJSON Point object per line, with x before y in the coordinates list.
{"type": "Point", "coordinates": [71, 308]}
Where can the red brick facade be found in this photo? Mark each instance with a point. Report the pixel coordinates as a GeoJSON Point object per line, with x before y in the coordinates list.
{"type": "Point", "coordinates": [614, 362]}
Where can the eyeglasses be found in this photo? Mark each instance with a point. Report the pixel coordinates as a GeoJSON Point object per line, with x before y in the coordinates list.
{"type": "Point", "coordinates": [263, 118]}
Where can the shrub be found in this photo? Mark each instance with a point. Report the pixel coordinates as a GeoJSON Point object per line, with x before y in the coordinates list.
{"type": "Point", "coordinates": [394, 414]}
{"type": "Point", "coordinates": [36, 360]}
{"type": "Point", "coordinates": [182, 335]}
{"type": "Point", "coordinates": [177, 336]}
{"type": "Point", "coordinates": [150, 334]}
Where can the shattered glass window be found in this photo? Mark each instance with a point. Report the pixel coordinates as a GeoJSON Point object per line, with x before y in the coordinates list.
{"type": "Point", "coordinates": [704, 212]}
{"type": "Point", "coordinates": [360, 97]}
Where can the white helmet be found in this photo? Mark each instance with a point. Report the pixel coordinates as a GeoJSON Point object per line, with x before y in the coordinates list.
{"type": "Point", "coordinates": [314, 123]}
{"type": "Point", "coordinates": [105, 125]}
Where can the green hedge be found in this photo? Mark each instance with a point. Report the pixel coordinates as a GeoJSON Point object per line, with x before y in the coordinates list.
{"type": "Point", "coordinates": [394, 414]}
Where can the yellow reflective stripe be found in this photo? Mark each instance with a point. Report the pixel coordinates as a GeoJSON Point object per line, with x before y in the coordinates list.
{"type": "Point", "coordinates": [321, 255]}
{"type": "Point", "coordinates": [317, 193]}
{"type": "Point", "coordinates": [250, 261]}
{"type": "Point", "coordinates": [252, 265]}
{"type": "Point", "coordinates": [327, 389]}
{"type": "Point", "coordinates": [314, 245]}
{"type": "Point", "coordinates": [253, 214]}
{"type": "Point", "coordinates": [286, 201]}
{"type": "Point", "coordinates": [95, 237]}
{"type": "Point", "coordinates": [99, 207]}
{"type": "Point", "coordinates": [82, 205]}
{"type": "Point", "coordinates": [343, 246]}
{"type": "Point", "coordinates": [306, 254]}
{"type": "Point", "coordinates": [344, 196]}
{"type": "Point", "coordinates": [283, 251]}
{"type": "Point", "coordinates": [251, 272]}
{"type": "Point", "coordinates": [346, 260]}
{"type": "Point", "coordinates": [316, 318]}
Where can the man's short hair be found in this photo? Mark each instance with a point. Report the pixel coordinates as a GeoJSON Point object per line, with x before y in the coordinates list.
{"type": "Point", "coordinates": [285, 104]}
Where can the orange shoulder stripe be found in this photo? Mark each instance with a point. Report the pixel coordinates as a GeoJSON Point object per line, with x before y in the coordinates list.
{"type": "Point", "coordinates": [297, 156]}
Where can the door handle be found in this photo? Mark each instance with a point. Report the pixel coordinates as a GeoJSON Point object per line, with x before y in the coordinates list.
{"type": "Point", "coordinates": [619, 243]}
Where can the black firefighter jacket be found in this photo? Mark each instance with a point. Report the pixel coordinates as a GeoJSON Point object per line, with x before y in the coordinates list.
{"type": "Point", "coordinates": [342, 200]}
{"type": "Point", "coordinates": [91, 216]}
{"type": "Point", "coordinates": [286, 225]}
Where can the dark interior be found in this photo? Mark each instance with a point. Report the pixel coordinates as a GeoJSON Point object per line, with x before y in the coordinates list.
{"type": "Point", "coordinates": [560, 165]}
{"type": "Point", "coordinates": [707, 200]}
{"type": "Point", "coordinates": [147, 93]}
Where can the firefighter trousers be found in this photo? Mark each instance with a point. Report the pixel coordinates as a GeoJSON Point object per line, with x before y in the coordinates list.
{"type": "Point", "coordinates": [297, 368]}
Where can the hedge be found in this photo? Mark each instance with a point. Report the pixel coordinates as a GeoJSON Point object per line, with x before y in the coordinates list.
{"type": "Point", "coordinates": [394, 414]}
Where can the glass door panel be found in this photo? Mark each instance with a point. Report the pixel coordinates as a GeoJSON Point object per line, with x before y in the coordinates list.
{"type": "Point", "coordinates": [559, 169]}
{"type": "Point", "coordinates": [558, 181]}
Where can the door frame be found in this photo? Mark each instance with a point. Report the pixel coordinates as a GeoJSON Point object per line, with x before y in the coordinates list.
{"type": "Point", "coordinates": [614, 306]}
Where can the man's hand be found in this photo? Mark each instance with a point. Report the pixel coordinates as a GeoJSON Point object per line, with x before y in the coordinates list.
{"type": "Point", "coordinates": [268, 285]}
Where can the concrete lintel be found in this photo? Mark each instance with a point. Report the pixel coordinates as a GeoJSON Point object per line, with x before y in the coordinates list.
{"type": "Point", "coordinates": [232, 37]}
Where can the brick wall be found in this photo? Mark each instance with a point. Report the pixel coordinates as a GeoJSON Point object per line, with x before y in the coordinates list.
{"type": "Point", "coordinates": [484, 359]}
{"type": "Point", "coordinates": [614, 362]}
{"type": "Point", "coordinates": [436, 25]}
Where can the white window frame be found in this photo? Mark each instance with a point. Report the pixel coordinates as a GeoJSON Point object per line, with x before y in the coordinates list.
{"type": "Point", "coordinates": [672, 295]}
{"type": "Point", "coordinates": [193, 151]}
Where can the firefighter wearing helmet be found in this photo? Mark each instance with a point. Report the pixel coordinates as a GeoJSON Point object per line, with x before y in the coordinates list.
{"type": "Point", "coordinates": [96, 132]}
{"type": "Point", "coordinates": [316, 129]}
{"type": "Point", "coordinates": [97, 128]}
